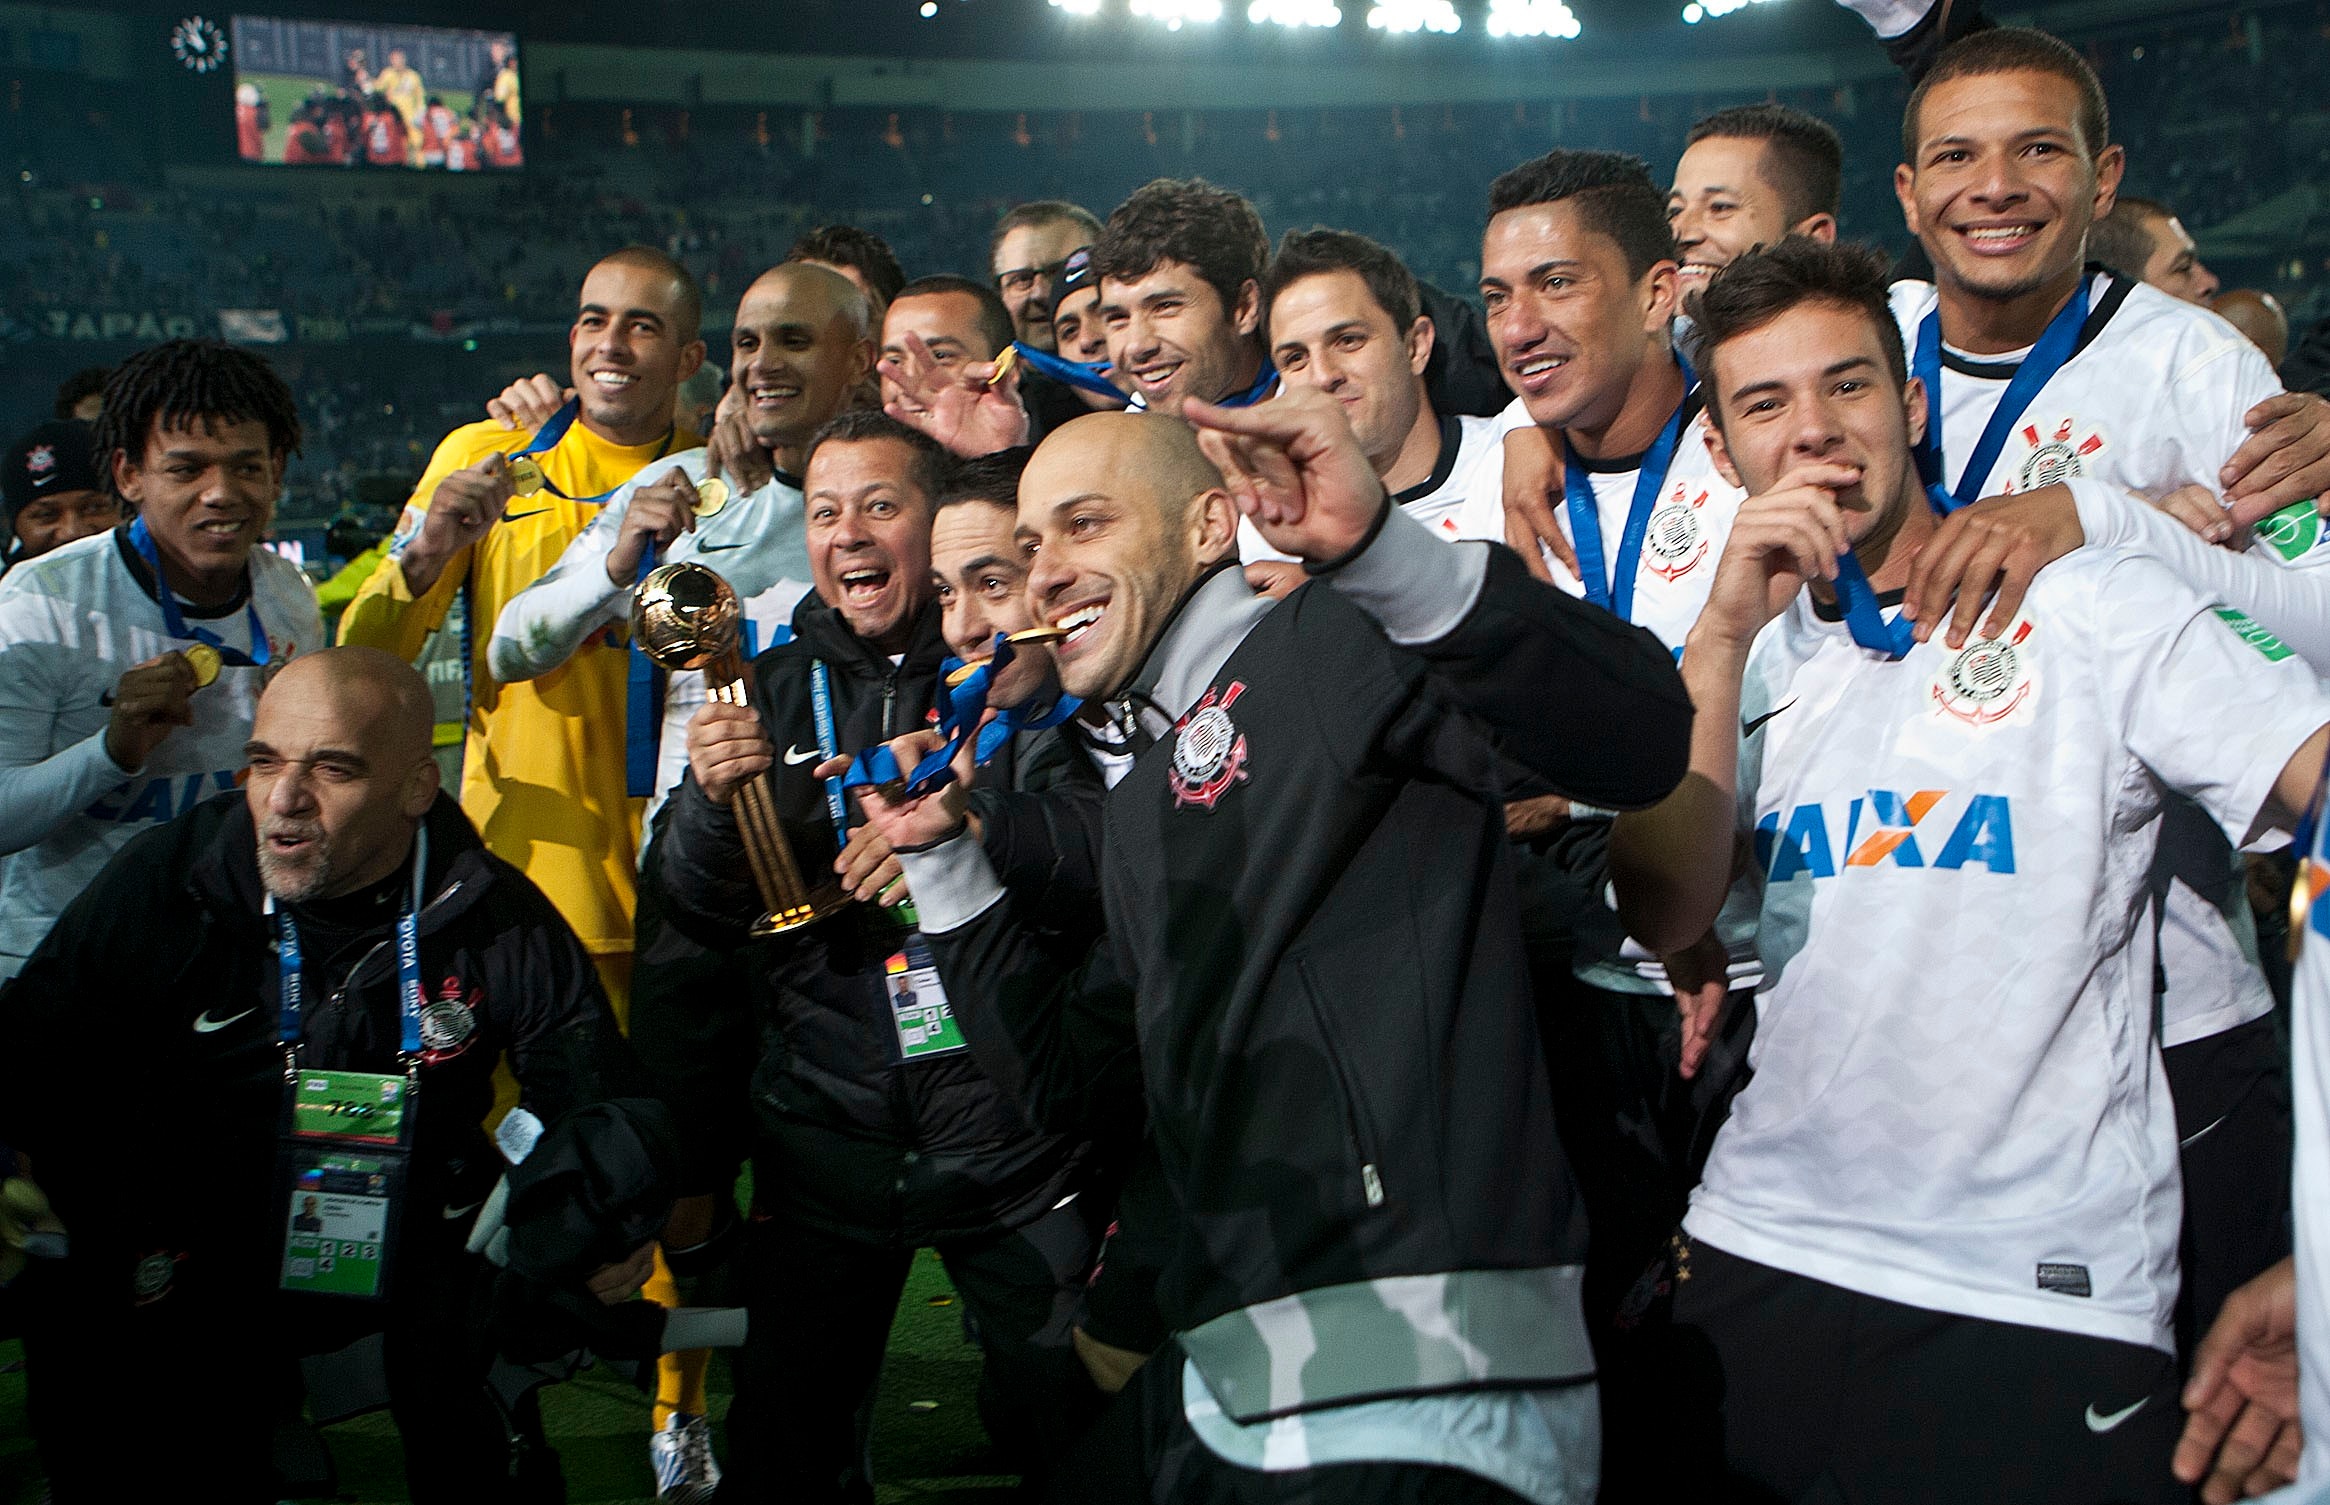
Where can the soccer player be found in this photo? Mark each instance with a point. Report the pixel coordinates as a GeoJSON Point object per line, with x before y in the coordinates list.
{"type": "Point", "coordinates": [2143, 239]}
{"type": "Point", "coordinates": [1934, 1254]}
{"type": "Point", "coordinates": [401, 86]}
{"type": "Point", "coordinates": [1750, 175]}
{"type": "Point", "coordinates": [939, 344]}
{"type": "Point", "coordinates": [1335, 1180]}
{"type": "Point", "coordinates": [1180, 266]}
{"type": "Point", "coordinates": [2260, 317]}
{"type": "Point", "coordinates": [51, 492]}
{"type": "Point", "coordinates": [130, 661]}
{"type": "Point", "coordinates": [1028, 250]}
{"type": "Point", "coordinates": [543, 770]}
{"type": "Point", "coordinates": [874, 1130]}
{"type": "Point", "coordinates": [250, 129]}
{"type": "Point", "coordinates": [860, 255]}
{"type": "Point", "coordinates": [2036, 370]}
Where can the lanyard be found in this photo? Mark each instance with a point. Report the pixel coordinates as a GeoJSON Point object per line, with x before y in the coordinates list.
{"type": "Point", "coordinates": [828, 741]}
{"type": "Point", "coordinates": [1614, 593]}
{"type": "Point", "coordinates": [545, 439]}
{"type": "Point", "coordinates": [643, 692]}
{"type": "Point", "coordinates": [2054, 350]}
{"type": "Point", "coordinates": [1092, 378]}
{"type": "Point", "coordinates": [174, 621]}
{"type": "Point", "coordinates": [291, 973]}
{"type": "Point", "coordinates": [961, 708]}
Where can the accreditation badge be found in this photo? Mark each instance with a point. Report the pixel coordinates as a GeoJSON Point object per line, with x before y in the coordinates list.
{"type": "Point", "coordinates": [344, 1158]}
{"type": "Point", "coordinates": [918, 1004]}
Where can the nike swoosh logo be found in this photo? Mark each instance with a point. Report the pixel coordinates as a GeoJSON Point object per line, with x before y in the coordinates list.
{"type": "Point", "coordinates": [204, 1024]}
{"type": "Point", "coordinates": [2204, 1132]}
{"type": "Point", "coordinates": [451, 1213]}
{"type": "Point", "coordinates": [794, 757]}
{"type": "Point", "coordinates": [1750, 728]}
{"type": "Point", "coordinates": [511, 517]}
{"type": "Point", "coordinates": [707, 546]}
{"type": "Point", "coordinates": [2099, 1423]}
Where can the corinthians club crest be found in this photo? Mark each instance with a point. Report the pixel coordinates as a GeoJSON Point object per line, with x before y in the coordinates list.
{"type": "Point", "coordinates": [1209, 752]}
{"type": "Point", "coordinates": [1673, 543]}
{"type": "Point", "coordinates": [1989, 680]}
{"type": "Point", "coordinates": [2055, 455]}
{"type": "Point", "coordinates": [448, 1023]}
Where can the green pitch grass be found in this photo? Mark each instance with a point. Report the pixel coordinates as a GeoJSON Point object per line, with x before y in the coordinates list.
{"type": "Point", "coordinates": [928, 1446]}
{"type": "Point", "coordinates": [286, 92]}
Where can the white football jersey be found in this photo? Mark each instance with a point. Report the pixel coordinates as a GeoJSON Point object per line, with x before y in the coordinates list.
{"type": "Point", "coordinates": [1956, 1101]}
{"type": "Point", "coordinates": [1438, 501]}
{"type": "Point", "coordinates": [757, 543]}
{"type": "Point", "coordinates": [2310, 1102]}
{"type": "Point", "coordinates": [72, 622]}
{"type": "Point", "coordinates": [2152, 401]}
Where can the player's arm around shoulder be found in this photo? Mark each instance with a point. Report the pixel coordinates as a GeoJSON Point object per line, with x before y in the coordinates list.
{"type": "Point", "coordinates": [543, 625]}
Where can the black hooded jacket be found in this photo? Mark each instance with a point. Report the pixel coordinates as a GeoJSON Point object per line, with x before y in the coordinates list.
{"type": "Point", "coordinates": [850, 1136]}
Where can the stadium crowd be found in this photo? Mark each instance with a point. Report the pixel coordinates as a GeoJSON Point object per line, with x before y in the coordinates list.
{"type": "Point", "coordinates": [1700, 881]}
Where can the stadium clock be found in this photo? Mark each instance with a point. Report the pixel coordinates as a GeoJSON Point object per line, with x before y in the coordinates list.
{"type": "Point", "coordinates": [198, 44]}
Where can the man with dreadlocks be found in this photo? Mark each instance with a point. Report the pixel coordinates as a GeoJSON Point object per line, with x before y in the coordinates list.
{"type": "Point", "coordinates": [131, 661]}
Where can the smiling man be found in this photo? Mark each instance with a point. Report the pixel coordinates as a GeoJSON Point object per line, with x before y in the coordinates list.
{"type": "Point", "coordinates": [1750, 175]}
{"type": "Point", "coordinates": [1180, 266]}
{"type": "Point", "coordinates": [51, 493]}
{"type": "Point", "coordinates": [874, 1132]}
{"type": "Point", "coordinates": [131, 661]}
{"type": "Point", "coordinates": [469, 538]}
{"type": "Point", "coordinates": [1939, 1229]}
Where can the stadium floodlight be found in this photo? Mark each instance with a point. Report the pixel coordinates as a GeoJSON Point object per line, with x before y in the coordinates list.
{"type": "Point", "coordinates": [1079, 7]}
{"type": "Point", "coordinates": [1415, 15]}
{"type": "Point", "coordinates": [1703, 10]}
{"type": "Point", "coordinates": [1176, 13]}
{"type": "Point", "coordinates": [1295, 13]}
{"type": "Point", "coordinates": [1532, 18]}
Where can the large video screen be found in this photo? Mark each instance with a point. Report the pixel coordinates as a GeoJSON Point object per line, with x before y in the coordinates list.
{"type": "Point", "coordinates": [348, 94]}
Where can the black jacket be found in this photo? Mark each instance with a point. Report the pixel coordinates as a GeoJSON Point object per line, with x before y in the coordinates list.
{"type": "Point", "coordinates": [850, 1136]}
{"type": "Point", "coordinates": [143, 1071]}
{"type": "Point", "coordinates": [1314, 958]}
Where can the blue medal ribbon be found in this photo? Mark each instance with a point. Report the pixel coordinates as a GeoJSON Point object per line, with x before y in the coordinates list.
{"type": "Point", "coordinates": [2054, 350]}
{"type": "Point", "coordinates": [1614, 592]}
{"type": "Point", "coordinates": [643, 692]}
{"type": "Point", "coordinates": [1092, 378]}
{"type": "Point", "coordinates": [174, 620]}
{"type": "Point", "coordinates": [291, 967]}
{"type": "Point", "coordinates": [962, 708]}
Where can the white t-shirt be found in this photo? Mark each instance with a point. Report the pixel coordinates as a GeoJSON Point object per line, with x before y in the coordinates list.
{"type": "Point", "coordinates": [1438, 501]}
{"type": "Point", "coordinates": [2310, 1196]}
{"type": "Point", "coordinates": [2152, 402]}
{"type": "Point", "coordinates": [72, 622]}
{"type": "Point", "coordinates": [1956, 1102]}
{"type": "Point", "coordinates": [757, 543]}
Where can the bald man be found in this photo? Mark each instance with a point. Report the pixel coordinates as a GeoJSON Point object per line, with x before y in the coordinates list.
{"type": "Point", "coordinates": [2259, 316]}
{"type": "Point", "coordinates": [247, 952]}
{"type": "Point", "coordinates": [1312, 968]}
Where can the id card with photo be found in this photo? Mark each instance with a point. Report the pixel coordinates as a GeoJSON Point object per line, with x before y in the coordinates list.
{"type": "Point", "coordinates": [339, 1220]}
{"type": "Point", "coordinates": [918, 1004]}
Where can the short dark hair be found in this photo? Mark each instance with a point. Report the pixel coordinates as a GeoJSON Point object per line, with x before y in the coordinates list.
{"type": "Point", "coordinates": [2122, 239]}
{"type": "Point", "coordinates": [2013, 49]}
{"type": "Point", "coordinates": [1191, 221]}
{"type": "Point", "coordinates": [1805, 157]}
{"type": "Point", "coordinates": [1757, 288]}
{"type": "Point", "coordinates": [849, 246]}
{"type": "Point", "coordinates": [1614, 193]}
{"type": "Point", "coordinates": [180, 383]}
{"type": "Point", "coordinates": [1309, 253]}
{"type": "Point", "coordinates": [688, 315]}
{"type": "Point", "coordinates": [987, 478]}
{"type": "Point", "coordinates": [994, 318]}
{"type": "Point", "coordinates": [858, 425]}
{"type": "Point", "coordinates": [1042, 212]}
{"type": "Point", "coordinates": [80, 384]}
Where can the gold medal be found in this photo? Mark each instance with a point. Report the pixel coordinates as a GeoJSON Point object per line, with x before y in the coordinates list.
{"type": "Point", "coordinates": [711, 496]}
{"type": "Point", "coordinates": [204, 661]}
{"type": "Point", "coordinates": [2311, 875]}
{"type": "Point", "coordinates": [962, 672]}
{"type": "Point", "coordinates": [1003, 364]}
{"type": "Point", "coordinates": [526, 477]}
{"type": "Point", "coordinates": [1042, 632]}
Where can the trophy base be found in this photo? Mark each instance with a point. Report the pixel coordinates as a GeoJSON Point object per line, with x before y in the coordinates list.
{"type": "Point", "coordinates": [827, 901]}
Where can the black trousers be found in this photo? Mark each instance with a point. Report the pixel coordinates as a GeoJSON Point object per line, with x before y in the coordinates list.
{"type": "Point", "coordinates": [1143, 1449]}
{"type": "Point", "coordinates": [1790, 1389]}
{"type": "Point", "coordinates": [2232, 1097]}
{"type": "Point", "coordinates": [821, 1307]}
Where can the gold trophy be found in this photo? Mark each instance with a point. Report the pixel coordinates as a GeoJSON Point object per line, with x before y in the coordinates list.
{"type": "Point", "coordinates": [686, 617]}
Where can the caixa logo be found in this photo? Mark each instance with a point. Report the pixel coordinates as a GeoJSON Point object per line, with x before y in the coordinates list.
{"type": "Point", "coordinates": [164, 798]}
{"type": "Point", "coordinates": [1884, 828]}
